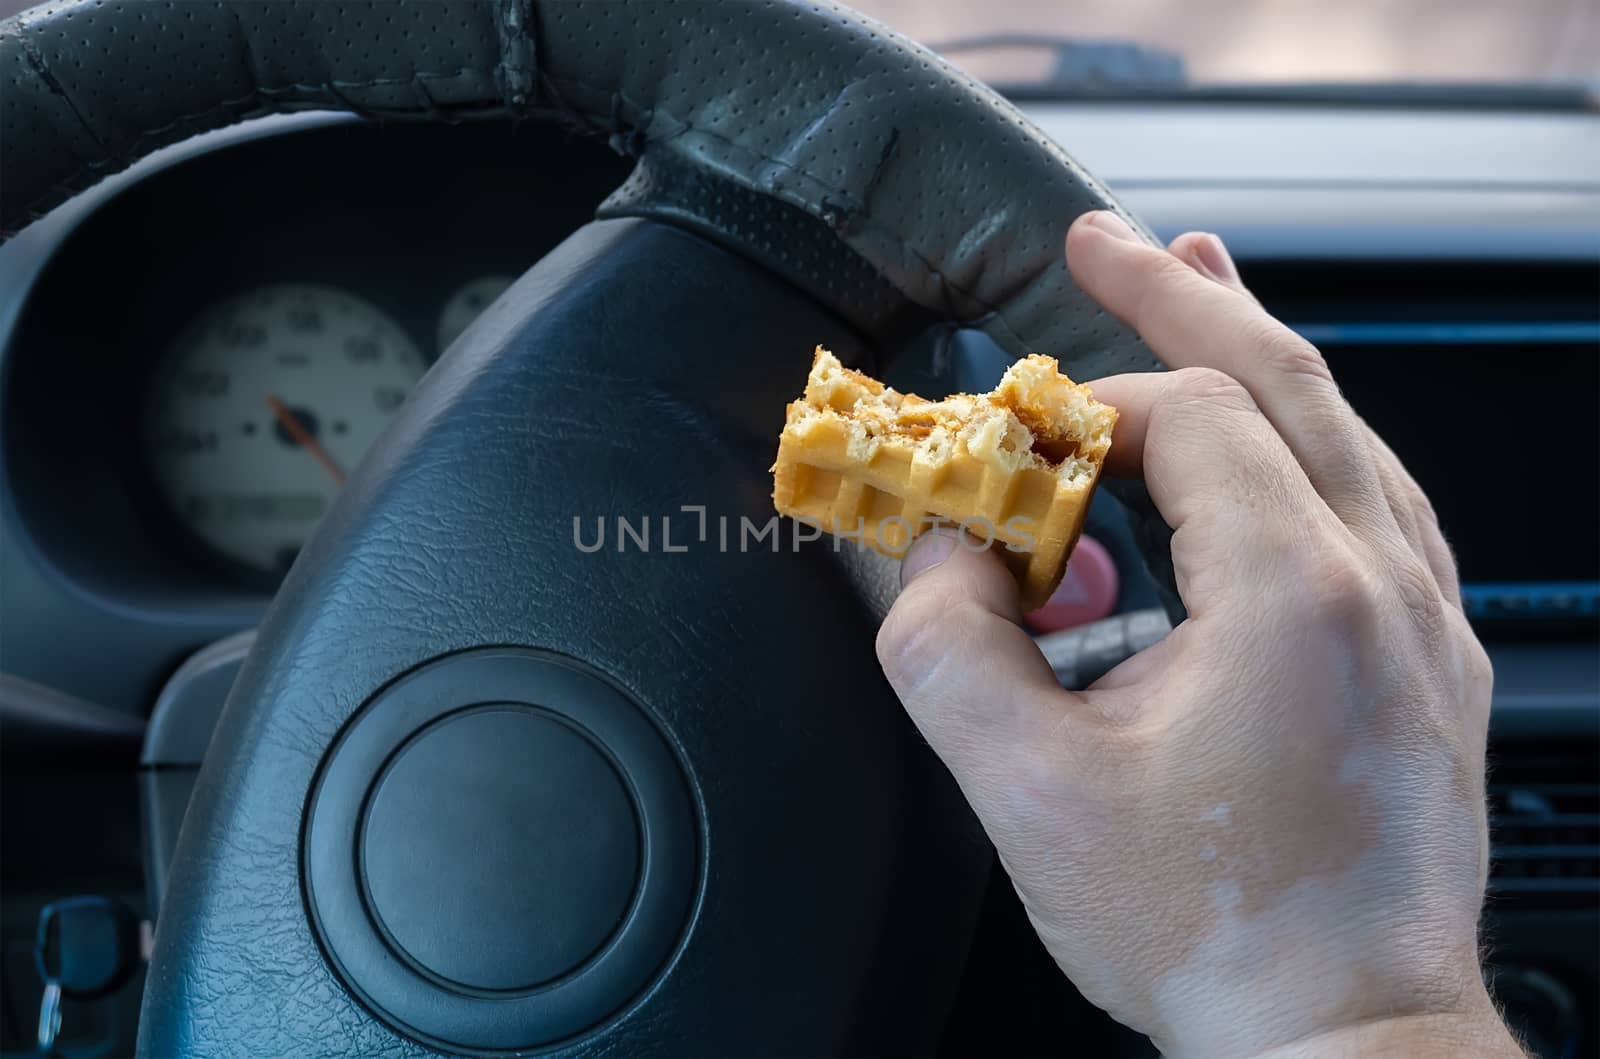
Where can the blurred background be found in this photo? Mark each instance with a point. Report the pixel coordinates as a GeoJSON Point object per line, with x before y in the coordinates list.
{"type": "Point", "coordinates": [1263, 42]}
{"type": "Point", "coordinates": [1281, 41]}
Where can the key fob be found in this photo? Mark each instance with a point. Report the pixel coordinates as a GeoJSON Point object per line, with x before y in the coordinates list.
{"type": "Point", "coordinates": [88, 946]}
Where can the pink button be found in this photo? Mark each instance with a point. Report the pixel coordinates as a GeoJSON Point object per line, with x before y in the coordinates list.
{"type": "Point", "coordinates": [1088, 592]}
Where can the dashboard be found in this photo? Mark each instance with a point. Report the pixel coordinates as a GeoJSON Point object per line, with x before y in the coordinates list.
{"type": "Point", "coordinates": [196, 354]}
{"type": "Point", "coordinates": [207, 356]}
{"type": "Point", "coordinates": [200, 350]}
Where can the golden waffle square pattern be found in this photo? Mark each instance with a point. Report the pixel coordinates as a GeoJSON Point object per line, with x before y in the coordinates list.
{"type": "Point", "coordinates": [1029, 515]}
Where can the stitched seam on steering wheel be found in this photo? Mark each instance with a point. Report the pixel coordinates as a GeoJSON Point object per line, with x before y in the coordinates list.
{"type": "Point", "coordinates": [249, 46]}
{"type": "Point", "coordinates": [514, 75]}
{"type": "Point", "coordinates": [865, 218]}
{"type": "Point", "coordinates": [41, 70]}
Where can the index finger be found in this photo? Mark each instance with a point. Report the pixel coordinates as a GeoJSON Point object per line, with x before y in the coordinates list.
{"type": "Point", "coordinates": [1224, 480]}
{"type": "Point", "coordinates": [1190, 320]}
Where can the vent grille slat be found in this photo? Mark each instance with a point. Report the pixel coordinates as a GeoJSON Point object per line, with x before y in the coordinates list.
{"type": "Point", "coordinates": [1544, 820]}
{"type": "Point", "coordinates": [1541, 888]}
{"type": "Point", "coordinates": [1577, 853]}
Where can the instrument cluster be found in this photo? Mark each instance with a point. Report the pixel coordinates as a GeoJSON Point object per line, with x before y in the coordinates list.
{"type": "Point", "coordinates": [268, 398]}
{"type": "Point", "coordinates": [216, 343]}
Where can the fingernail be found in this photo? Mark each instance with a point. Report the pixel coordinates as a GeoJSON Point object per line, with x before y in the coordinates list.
{"type": "Point", "coordinates": [926, 552]}
{"type": "Point", "coordinates": [1214, 260]}
{"type": "Point", "coordinates": [1112, 225]}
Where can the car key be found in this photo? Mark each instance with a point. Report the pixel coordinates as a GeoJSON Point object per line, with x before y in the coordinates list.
{"type": "Point", "coordinates": [86, 947]}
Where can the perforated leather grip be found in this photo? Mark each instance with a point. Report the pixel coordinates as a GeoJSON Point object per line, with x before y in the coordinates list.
{"type": "Point", "coordinates": [942, 186]}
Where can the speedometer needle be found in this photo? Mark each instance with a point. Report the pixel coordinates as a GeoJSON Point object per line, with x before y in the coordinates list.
{"type": "Point", "coordinates": [297, 430]}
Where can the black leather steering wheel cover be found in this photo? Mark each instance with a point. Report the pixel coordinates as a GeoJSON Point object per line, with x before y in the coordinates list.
{"type": "Point", "coordinates": [933, 179]}
{"type": "Point", "coordinates": [949, 194]}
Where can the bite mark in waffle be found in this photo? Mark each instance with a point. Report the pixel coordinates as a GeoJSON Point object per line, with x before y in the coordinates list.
{"type": "Point", "coordinates": [1016, 467]}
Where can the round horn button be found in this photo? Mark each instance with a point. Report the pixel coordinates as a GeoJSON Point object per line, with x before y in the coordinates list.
{"type": "Point", "coordinates": [500, 849]}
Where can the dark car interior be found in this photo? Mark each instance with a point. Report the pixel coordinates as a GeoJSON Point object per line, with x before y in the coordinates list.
{"type": "Point", "coordinates": [1442, 253]}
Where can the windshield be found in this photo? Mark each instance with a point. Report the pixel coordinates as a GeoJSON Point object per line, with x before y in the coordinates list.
{"type": "Point", "coordinates": [1075, 47]}
{"type": "Point", "coordinates": [1534, 51]}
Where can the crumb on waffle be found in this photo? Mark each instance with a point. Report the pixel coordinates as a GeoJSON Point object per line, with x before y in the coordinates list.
{"type": "Point", "coordinates": [1017, 465]}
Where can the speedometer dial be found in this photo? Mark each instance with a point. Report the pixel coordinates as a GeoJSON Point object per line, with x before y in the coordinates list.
{"type": "Point", "coordinates": [264, 405]}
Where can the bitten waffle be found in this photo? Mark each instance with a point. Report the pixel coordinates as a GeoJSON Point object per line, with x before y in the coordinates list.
{"type": "Point", "coordinates": [1016, 467]}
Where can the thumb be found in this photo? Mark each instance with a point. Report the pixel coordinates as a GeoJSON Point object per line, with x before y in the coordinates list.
{"type": "Point", "coordinates": [955, 652]}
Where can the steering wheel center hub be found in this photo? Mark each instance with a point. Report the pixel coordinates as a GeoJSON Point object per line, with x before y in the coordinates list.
{"type": "Point", "coordinates": [512, 826]}
{"type": "Point", "coordinates": [500, 852]}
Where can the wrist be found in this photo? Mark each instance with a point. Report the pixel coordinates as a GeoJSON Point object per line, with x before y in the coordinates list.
{"type": "Point", "coordinates": [1475, 1032]}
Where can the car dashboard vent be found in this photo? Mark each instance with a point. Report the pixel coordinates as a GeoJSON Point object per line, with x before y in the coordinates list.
{"type": "Point", "coordinates": [1544, 823]}
{"type": "Point", "coordinates": [1415, 349]}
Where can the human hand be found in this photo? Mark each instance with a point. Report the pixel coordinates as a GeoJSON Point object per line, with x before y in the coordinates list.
{"type": "Point", "coordinates": [1266, 833]}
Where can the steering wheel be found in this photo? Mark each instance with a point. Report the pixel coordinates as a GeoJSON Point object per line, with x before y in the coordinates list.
{"type": "Point", "coordinates": [483, 787]}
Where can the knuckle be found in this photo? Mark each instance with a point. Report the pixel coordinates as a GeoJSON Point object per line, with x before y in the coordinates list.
{"type": "Point", "coordinates": [1166, 285]}
{"type": "Point", "coordinates": [1208, 386]}
{"type": "Point", "coordinates": [906, 639]}
{"type": "Point", "coordinates": [1418, 590]}
{"type": "Point", "coordinates": [1480, 668]}
{"type": "Point", "coordinates": [1168, 271]}
{"type": "Point", "coordinates": [921, 628]}
{"type": "Point", "coordinates": [966, 621]}
{"type": "Point", "coordinates": [1285, 351]}
{"type": "Point", "coordinates": [1340, 586]}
